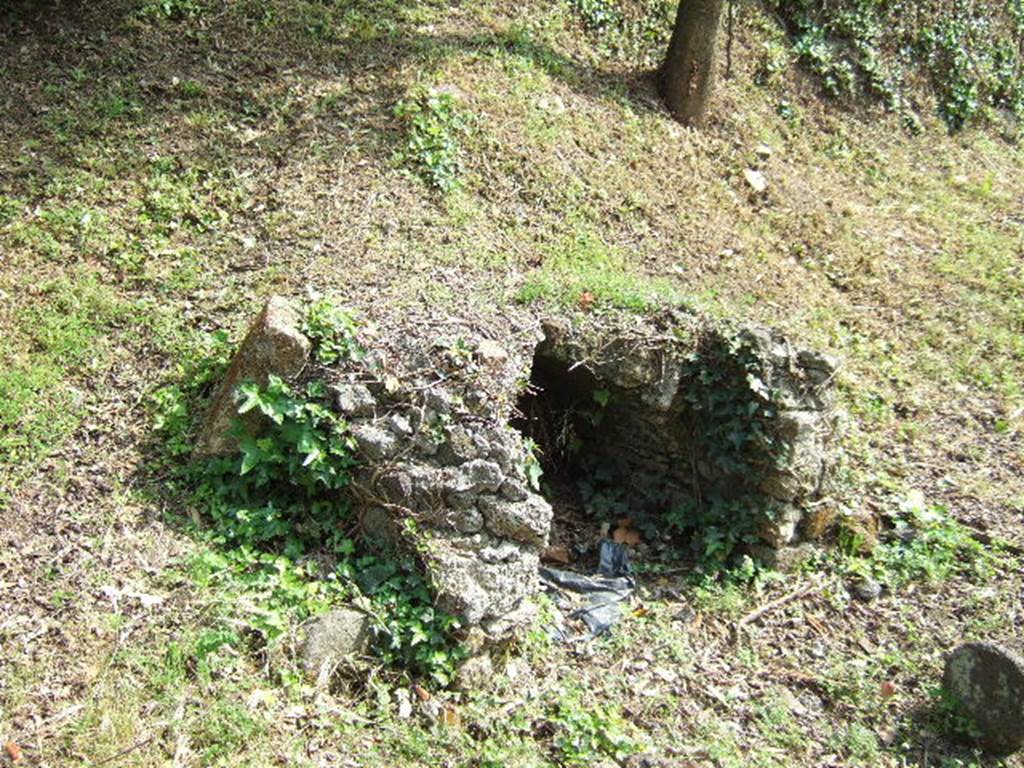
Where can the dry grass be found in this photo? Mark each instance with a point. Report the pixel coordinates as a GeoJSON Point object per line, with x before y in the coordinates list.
{"type": "Point", "coordinates": [157, 177]}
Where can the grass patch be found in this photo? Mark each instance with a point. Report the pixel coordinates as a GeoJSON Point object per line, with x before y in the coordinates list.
{"type": "Point", "coordinates": [583, 271]}
{"type": "Point", "coordinates": [59, 337]}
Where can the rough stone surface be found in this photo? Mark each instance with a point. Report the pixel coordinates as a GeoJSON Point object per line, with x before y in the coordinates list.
{"type": "Point", "coordinates": [435, 447]}
{"type": "Point", "coordinates": [376, 443]}
{"type": "Point", "coordinates": [528, 520]}
{"type": "Point", "coordinates": [644, 434]}
{"type": "Point", "coordinates": [491, 352]}
{"type": "Point", "coordinates": [866, 589]}
{"type": "Point", "coordinates": [343, 633]}
{"type": "Point", "coordinates": [273, 345]}
{"type": "Point", "coordinates": [988, 682]}
{"type": "Point", "coordinates": [476, 673]}
{"type": "Point", "coordinates": [354, 400]}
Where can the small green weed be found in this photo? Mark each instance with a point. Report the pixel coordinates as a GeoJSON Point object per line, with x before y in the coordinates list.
{"type": "Point", "coordinates": [433, 127]}
{"type": "Point", "coordinates": [730, 411]}
{"type": "Point", "coordinates": [638, 30]}
{"type": "Point", "coordinates": [951, 717]}
{"type": "Point", "coordinates": [926, 545]}
{"type": "Point", "coordinates": [583, 270]}
{"type": "Point", "coordinates": [588, 731]}
{"type": "Point", "coordinates": [224, 729]}
{"type": "Point", "coordinates": [64, 332]}
{"type": "Point", "coordinates": [171, 9]}
{"type": "Point", "coordinates": [971, 56]}
{"type": "Point", "coordinates": [333, 332]}
{"type": "Point", "coordinates": [598, 15]}
{"type": "Point", "coordinates": [174, 198]}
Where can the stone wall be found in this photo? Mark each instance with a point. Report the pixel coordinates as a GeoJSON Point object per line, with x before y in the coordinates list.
{"type": "Point", "coordinates": [442, 472]}
{"type": "Point", "coordinates": [647, 432]}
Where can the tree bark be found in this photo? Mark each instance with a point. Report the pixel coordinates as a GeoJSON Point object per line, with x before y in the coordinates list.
{"type": "Point", "coordinates": [687, 76]}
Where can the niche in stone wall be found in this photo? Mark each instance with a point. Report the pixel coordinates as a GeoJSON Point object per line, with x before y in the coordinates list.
{"type": "Point", "coordinates": [687, 449]}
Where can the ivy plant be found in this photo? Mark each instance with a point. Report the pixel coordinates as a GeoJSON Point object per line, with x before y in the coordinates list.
{"type": "Point", "coordinates": [731, 408]}
{"type": "Point", "coordinates": [280, 533]}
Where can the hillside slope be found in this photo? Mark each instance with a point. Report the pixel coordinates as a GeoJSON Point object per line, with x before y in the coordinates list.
{"type": "Point", "coordinates": [165, 164]}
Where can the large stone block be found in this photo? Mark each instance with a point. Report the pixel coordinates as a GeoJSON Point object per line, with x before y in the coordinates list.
{"type": "Point", "coordinates": [274, 345]}
{"type": "Point", "coordinates": [988, 683]}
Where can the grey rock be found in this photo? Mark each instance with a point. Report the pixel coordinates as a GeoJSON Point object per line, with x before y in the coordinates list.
{"type": "Point", "coordinates": [528, 521]}
{"type": "Point", "coordinates": [988, 682]}
{"type": "Point", "coordinates": [425, 444]}
{"type": "Point", "coordinates": [514, 490]}
{"type": "Point", "coordinates": [408, 485]}
{"type": "Point", "coordinates": [523, 614]}
{"type": "Point", "coordinates": [788, 558]}
{"type": "Point", "coordinates": [479, 581]}
{"type": "Point", "coordinates": [491, 353]}
{"type": "Point", "coordinates": [275, 346]}
{"type": "Point", "coordinates": [399, 424]}
{"type": "Point", "coordinates": [866, 589]}
{"type": "Point", "coordinates": [483, 447]}
{"type": "Point", "coordinates": [477, 476]}
{"type": "Point", "coordinates": [374, 442]}
{"type": "Point", "coordinates": [800, 431]}
{"type": "Point", "coordinates": [439, 400]}
{"type": "Point", "coordinates": [458, 446]}
{"type": "Point", "coordinates": [379, 527]}
{"type": "Point", "coordinates": [663, 393]}
{"type": "Point", "coordinates": [484, 475]}
{"type": "Point", "coordinates": [476, 673]}
{"type": "Point", "coordinates": [341, 634]}
{"type": "Point", "coordinates": [501, 455]}
{"type": "Point", "coordinates": [684, 615]}
{"type": "Point", "coordinates": [354, 400]}
{"type": "Point", "coordinates": [782, 529]}
{"type": "Point", "coordinates": [811, 360]}
{"type": "Point", "coordinates": [505, 552]}
{"type": "Point", "coordinates": [468, 520]}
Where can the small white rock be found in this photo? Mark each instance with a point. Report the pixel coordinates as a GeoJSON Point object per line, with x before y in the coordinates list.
{"type": "Point", "coordinates": [756, 180]}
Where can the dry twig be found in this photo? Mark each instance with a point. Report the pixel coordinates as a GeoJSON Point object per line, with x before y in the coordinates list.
{"type": "Point", "coordinates": [767, 608]}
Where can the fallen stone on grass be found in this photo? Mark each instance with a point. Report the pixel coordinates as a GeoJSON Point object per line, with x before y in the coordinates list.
{"type": "Point", "coordinates": [342, 634]}
{"type": "Point", "coordinates": [987, 682]}
{"type": "Point", "coordinates": [476, 673]}
{"type": "Point", "coordinates": [755, 180]}
{"type": "Point", "coordinates": [866, 589]}
{"type": "Point", "coordinates": [274, 345]}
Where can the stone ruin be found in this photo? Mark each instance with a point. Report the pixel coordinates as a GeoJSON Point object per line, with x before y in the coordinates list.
{"type": "Point", "coordinates": [440, 427]}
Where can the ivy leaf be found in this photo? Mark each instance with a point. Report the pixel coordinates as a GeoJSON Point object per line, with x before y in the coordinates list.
{"type": "Point", "coordinates": [251, 457]}
{"type": "Point", "coordinates": [251, 396]}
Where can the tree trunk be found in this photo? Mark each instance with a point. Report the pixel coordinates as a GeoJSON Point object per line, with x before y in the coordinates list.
{"type": "Point", "coordinates": [687, 75]}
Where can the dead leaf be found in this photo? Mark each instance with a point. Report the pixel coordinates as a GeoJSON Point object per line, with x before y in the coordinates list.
{"type": "Point", "coordinates": [867, 645]}
{"type": "Point", "coordinates": [627, 536]}
{"type": "Point", "coordinates": [450, 716]}
{"type": "Point", "coordinates": [586, 300]}
{"type": "Point", "coordinates": [13, 751]}
{"type": "Point", "coordinates": [816, 625]}
{"type": "Point", "coordinates": [556, 554]}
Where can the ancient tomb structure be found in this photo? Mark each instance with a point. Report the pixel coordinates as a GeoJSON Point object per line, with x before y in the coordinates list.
{"type": "Point", "coordinates": [681, 416]}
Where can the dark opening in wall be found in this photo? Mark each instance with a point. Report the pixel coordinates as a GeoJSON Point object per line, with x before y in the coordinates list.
{"type": "Point", "coordinates": [610, 468]}
{"type": "Point", "coordinates": [695, 449]}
